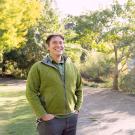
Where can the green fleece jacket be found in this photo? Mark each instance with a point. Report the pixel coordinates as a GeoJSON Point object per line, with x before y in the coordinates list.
{"type": "Point", "coordinates": [47, 93]}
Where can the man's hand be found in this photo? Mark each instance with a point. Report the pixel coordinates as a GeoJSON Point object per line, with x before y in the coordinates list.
{"type": "Point", "coordinates": [76, 112]}
{"type": "Point", "coordinates": [47, 117]}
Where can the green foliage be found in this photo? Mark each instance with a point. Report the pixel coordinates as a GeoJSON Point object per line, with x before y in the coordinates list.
{"type": "Point", "coordinates": [22, 58]}
{"type": "Point", "coordinates": [88, 29]}
{"type": "Point", "coordinates": [97, 67]}
{"type": "Point", "coordinates": [127, 82]}
{"type": "Point", "coordinates": [110, 31]}
{"type": "Point", "coordinates": [15, 19]}
{"type": "Point", "coordinates": [49, 21]}
{"type": "Point", "coordinates": [74, 52]}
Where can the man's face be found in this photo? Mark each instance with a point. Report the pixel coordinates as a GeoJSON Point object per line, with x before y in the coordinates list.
{"type": "Point", "coordinates": [56, 46]}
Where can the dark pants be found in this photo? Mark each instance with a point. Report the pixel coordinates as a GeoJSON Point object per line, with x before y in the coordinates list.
{"type": "Point", "coordinates": [58, 126]}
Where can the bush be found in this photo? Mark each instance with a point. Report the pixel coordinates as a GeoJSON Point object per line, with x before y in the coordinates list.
{"type": "Point", "coordinates": [96, 68]}
{"type": "Point", "coordinates": [127, 82]}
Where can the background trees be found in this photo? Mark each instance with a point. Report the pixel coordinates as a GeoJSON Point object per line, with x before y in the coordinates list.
{"type": "Point", "coordinates": [110, 31]}
{"type": "Point", "coordinates": [32, 48]}
{"type": "Point", "coordinates": [15, 19]}
{"type": "Point", "coordinates": [100, 42]}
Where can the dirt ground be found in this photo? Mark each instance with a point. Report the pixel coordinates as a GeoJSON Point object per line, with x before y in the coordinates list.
{"type": "Point", "coordinates": [104, 112]}
{"type": "Point", "coordinates": [12, 84]}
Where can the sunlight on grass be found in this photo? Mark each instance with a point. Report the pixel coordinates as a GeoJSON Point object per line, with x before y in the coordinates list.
{"type": "Point", "coordinates": [16, 117]}
{"type": "Point", "coordinates": [3, 84]}
{"type": "Point", "coordinates": [12, 94]}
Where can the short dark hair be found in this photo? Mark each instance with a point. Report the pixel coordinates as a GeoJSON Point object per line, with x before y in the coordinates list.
{"type": "Point", "coordinates": [53, 35]}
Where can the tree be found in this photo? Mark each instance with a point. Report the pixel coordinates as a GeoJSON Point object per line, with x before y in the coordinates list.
{"type": "Point", "coordinates": [88, 29]}
{"type": "Point", "coordinates": [15, 18]}
{"type": "Point", "coordinates": [111, 31]}
{"type": "Point", "coordinates": [35, 48]}
{"type": "Point", "coordinates": [120, 36]}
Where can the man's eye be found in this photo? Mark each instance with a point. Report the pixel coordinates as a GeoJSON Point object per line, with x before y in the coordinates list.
{"type": "Point", "coordinates": [54, 42]}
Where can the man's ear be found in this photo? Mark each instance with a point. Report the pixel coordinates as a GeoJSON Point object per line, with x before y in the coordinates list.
{"type": "Point", "coordinates": [47, 47]}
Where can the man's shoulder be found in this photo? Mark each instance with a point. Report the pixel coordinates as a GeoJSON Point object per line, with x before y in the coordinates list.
{"type": "Point", "coordinates": [36, 65]}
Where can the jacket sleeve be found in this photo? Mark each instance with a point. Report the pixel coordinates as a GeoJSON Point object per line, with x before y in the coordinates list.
{"type": "Point", "coordinates": [32, 91]}
{"type": "Point", "coordinates": [79, 91]}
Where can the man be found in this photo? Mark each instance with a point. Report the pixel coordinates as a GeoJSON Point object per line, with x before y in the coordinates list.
{"type": "Point", "coordinates": [54, 90]}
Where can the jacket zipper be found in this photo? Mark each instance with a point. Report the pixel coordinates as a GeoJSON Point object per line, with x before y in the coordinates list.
{"type": "Point", "coordinates": [65, 89]}
{"type": "Point", "coordinates": [64, 84]}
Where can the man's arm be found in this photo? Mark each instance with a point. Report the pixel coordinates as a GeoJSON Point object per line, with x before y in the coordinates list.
{"type": "Point", "coordinates": [79, 92]}
{"type": "Point", "coordinates": [32, 91]}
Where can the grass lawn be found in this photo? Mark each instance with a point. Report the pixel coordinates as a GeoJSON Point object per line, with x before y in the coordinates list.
{"type": "Point", "coordinates": [16, 117]}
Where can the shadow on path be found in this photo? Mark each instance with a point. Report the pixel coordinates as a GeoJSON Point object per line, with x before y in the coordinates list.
{"type": "Point", "coordinates": [106, 112]}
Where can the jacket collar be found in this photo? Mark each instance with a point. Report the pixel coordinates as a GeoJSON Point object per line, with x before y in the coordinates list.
{"type": "Point", "coordinates": [48, 61]}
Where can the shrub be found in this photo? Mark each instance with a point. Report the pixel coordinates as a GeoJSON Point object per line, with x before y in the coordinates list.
{"type": "Point", "coordinates": [96, 68]}
{"type": "Point", "coordinates": [127, 82]}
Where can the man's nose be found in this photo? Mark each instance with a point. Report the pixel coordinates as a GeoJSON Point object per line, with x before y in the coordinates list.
{"type": "Point", "coordinates": [59, 44]}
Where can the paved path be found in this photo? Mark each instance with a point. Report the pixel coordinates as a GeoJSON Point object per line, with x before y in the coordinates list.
{"type": "Point", "coordinates": [12, 85]}
{"type": "Point", "coordinates": [106, 112]}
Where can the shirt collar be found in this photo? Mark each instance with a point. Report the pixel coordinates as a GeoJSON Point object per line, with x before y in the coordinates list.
{"type": "Point", "coordinates": [52, 61]}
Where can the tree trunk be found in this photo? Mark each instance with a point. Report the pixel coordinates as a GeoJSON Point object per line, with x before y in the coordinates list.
{"type": "Point", "coordinates": [115, 81]}
{"type": "Point", "coordinates": [3, 66]}
{"type": "Point", "coordinates": [116, 72]}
